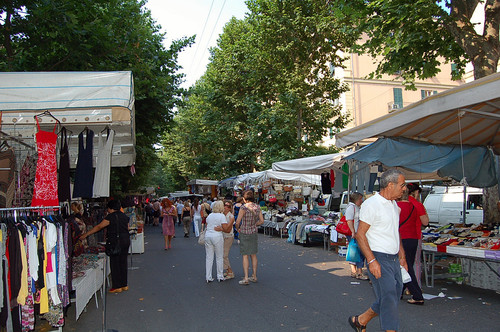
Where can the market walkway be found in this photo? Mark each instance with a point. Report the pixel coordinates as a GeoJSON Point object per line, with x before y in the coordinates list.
{"type": "Point", "coordinates": [299, 289]}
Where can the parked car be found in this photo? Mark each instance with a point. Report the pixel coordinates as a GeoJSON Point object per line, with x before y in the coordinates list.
{"type": "Point", "coordinates": [445, 205]}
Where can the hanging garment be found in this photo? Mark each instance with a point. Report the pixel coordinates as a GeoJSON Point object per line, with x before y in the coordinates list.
{"type": "Point", "coordinates": [45, 191]}
{"type": "Point", "coordinates": [64, 178]}
{"type": "Point", "coordinates": [103, 165]}
{"type": "Point", "coordinates": [326, 184]}
{"type": "Point", "coordinates": [7, 177]}
{"type": "Point", "coordinates": [83, 175]}
{"type": "Point", "coordinates": [27, 176]}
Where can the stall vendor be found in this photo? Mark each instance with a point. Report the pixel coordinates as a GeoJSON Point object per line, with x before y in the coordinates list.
{"type": "Point", "coordinates": [117, 232]}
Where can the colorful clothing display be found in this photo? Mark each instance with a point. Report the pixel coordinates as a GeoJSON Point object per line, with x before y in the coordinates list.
{"type": "Point", "coordinates": [45, 190]}
{"type": "Point", "coordinates": [7, 177]}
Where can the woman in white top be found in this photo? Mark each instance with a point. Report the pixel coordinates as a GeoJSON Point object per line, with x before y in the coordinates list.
{"type": "Point", "coordinates": [228, 235]}
{"type": "Point", "coordinates": [352, 217]}
{"type": "Point", "coordinates": [196, 216]}
{"type": "Point", "coordinates": [214, 242]}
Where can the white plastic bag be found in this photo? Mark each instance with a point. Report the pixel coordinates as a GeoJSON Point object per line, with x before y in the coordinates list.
{"type": "Point", "coordinates": [405, 275]}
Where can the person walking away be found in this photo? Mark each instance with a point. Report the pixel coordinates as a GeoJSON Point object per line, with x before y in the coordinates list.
{"type": "Point", "coordinates": [179, 206]}
{"type": "Point", "coordinates": [186, 218]}
{"type": "Point", "coordinates": [414, 192]}
{"type": "Point", "coordinates": [196, 216]}
{"type": "Point", "coordinates": [352, 217]}
{"type": "Point", "coordinates": [249, 218]}
{"type": "Point", "coordinates": [214, 243]}
{"type": "Point", "coordinates": [228, 236]}
{"type": "Point", "coordinates": [408, 219]}
{"type": "Point", "coordinates": [156, 212]}
{"type": "Point", "coordinates": [148, 208]}
{"type": "Point", "coordinates": [236, 208]}
{"type": "Point", "coordinates": [168, 224]}
{"type": "Point", "coordinates": [116, 223]}
{"type": "Point", "coordinates": [378, 238]}
{"type": "Point", "coordinates": [205, 211]}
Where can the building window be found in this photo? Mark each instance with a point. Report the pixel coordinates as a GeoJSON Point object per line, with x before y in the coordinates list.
{"type": "Point", "coordinates": [427, 93]}
{"type": "Point", "coordinates": [398, 97]}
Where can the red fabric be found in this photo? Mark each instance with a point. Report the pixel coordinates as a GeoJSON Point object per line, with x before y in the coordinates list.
{"type": "Point", "coordinates": [49, 262]}
{"type": "Point", "coordinates": [420, 208]}
{"type": "Point", "coordinates": [45, 190]}
{"type": "Point", "coordinates": [332, 177]}
{"type": "Point", "coordinates": [409, 229]}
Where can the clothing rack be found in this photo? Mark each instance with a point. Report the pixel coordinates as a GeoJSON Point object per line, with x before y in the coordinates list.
{"type": "Point", "coordinates": [31, 208]}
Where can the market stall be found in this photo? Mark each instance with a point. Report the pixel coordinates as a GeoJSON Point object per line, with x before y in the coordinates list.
{"type": "Point", "coordinates": [454, 134]}
{"type": "Point", "coordinates": [51, 124]}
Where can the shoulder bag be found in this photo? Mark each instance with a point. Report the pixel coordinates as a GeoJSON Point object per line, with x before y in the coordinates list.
{"type": "Point", "coordinates": [201, 238]}
{"type": "Point", "coordinates": [342, 227]}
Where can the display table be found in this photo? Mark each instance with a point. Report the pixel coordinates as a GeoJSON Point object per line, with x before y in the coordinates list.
{"type": "Point", "coordinates": [471, 272]}
{"type": "Point", "coordinates": [87, 285]}
{"type": "Point", "coordinates": [137, 243]}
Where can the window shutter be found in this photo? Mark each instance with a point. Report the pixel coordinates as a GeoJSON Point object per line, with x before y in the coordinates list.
{"type": "Point", "coordinates": [398, 97]}
{"type": "Point", "coordinates": [422, 93]}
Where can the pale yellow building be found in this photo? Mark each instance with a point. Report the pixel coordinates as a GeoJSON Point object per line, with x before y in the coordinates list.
{"type": "Point", "coordinates": [368, 99]}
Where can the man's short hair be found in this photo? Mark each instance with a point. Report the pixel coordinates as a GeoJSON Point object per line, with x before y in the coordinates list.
{"type": "Point", "coordinates": [390, 176]}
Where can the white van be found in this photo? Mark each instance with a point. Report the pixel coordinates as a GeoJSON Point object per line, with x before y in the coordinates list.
{"type": "Point", "coordinates": [445, 205]}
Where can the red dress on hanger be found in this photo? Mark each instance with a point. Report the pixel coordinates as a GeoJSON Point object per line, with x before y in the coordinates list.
{"type": "Point", "coordinates": [45, 191]}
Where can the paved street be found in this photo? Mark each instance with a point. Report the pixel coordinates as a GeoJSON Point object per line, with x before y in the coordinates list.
{"type": "Point", "coordinates": [299, 289]}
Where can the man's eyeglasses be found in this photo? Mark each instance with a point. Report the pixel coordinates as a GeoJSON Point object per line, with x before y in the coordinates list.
{"type": "Point", "coordinates": [227, 205]}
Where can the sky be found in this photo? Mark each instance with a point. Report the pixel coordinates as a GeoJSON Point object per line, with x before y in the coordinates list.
{"type": "Point", "coordinates": [203, 18]}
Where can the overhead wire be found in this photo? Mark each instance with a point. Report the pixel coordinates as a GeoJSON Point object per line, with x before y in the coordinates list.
{"type": "Point", "coordinates": [201, 36]}
{"type": "Point", "coordinates": [211, 34]}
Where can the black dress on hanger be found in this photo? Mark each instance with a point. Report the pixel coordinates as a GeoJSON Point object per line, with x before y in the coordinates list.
{"type": "Point", "coordinates": [84, 177]}
{"type": "Point", "coordinates": [63, 186]}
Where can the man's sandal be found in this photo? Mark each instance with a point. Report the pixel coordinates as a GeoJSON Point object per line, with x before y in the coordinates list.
{"type": "Point", "coordinates": [354, 322]}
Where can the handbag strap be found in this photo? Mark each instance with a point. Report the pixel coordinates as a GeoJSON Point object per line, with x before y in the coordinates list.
{"type": "Point", "coordinates": [412, 208]}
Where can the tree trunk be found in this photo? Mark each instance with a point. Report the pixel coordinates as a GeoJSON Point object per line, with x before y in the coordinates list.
{"type": "Point", "coordinates": [491, 214]}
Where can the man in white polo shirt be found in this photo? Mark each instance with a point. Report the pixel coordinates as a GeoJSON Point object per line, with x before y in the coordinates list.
{"type": "Point", "coordinates": [378, 238]}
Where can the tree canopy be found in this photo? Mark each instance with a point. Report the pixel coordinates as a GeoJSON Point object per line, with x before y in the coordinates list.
{"type": "Point", "coordinates": [100, 35]}
{"type": "Point", "coordinates": [268, 93]}
{"type": "Point", "coordinates": [415, 37]}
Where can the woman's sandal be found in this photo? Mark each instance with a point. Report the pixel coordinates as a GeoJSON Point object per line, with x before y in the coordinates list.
{"type": "Point", "coordinates": [417, 302]}
{"type": "Point", "coordinates": [354, 322]}
{"type": "Point", "coordinates": [244, 282]}
{"type": "Point", "coordinates": [252, 279]}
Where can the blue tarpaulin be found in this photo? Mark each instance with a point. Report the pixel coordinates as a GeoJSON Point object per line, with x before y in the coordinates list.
{"type": "Point", "coordinates": [422, 157]}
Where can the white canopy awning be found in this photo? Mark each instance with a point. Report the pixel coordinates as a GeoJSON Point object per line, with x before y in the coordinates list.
{"type": "Point", "coordinates": [468, 114]}
{"type": "Point", "coordinates": [78, 100]}
{"type": "Point", "coordinates": [202, 182]}
{"type": "Point", "coordinates": [311, 165]}
{"type": "Point", "coordinates": [259, 177]}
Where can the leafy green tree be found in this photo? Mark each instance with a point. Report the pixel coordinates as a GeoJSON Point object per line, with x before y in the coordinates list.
{"type": "Point", "coordinates": [100, 35]}
{"type": "Point", "coordinates": [267, 94]}
{"type": "Point", "coordinates": [415, 37]}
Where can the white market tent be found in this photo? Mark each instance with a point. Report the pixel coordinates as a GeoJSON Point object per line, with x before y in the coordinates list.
{"type": "Point", "coordinates": [259, 177]}
{"type": "Point", "coordinates": [468, 114]}
{"type": "Point", "coordinates": [78, 100]}
{"type": "Point", "coordinates": [311, 165]}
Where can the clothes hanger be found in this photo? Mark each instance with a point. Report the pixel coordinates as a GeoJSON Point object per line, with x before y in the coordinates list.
{"type": "Point", "coordinates": [47, 113]}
